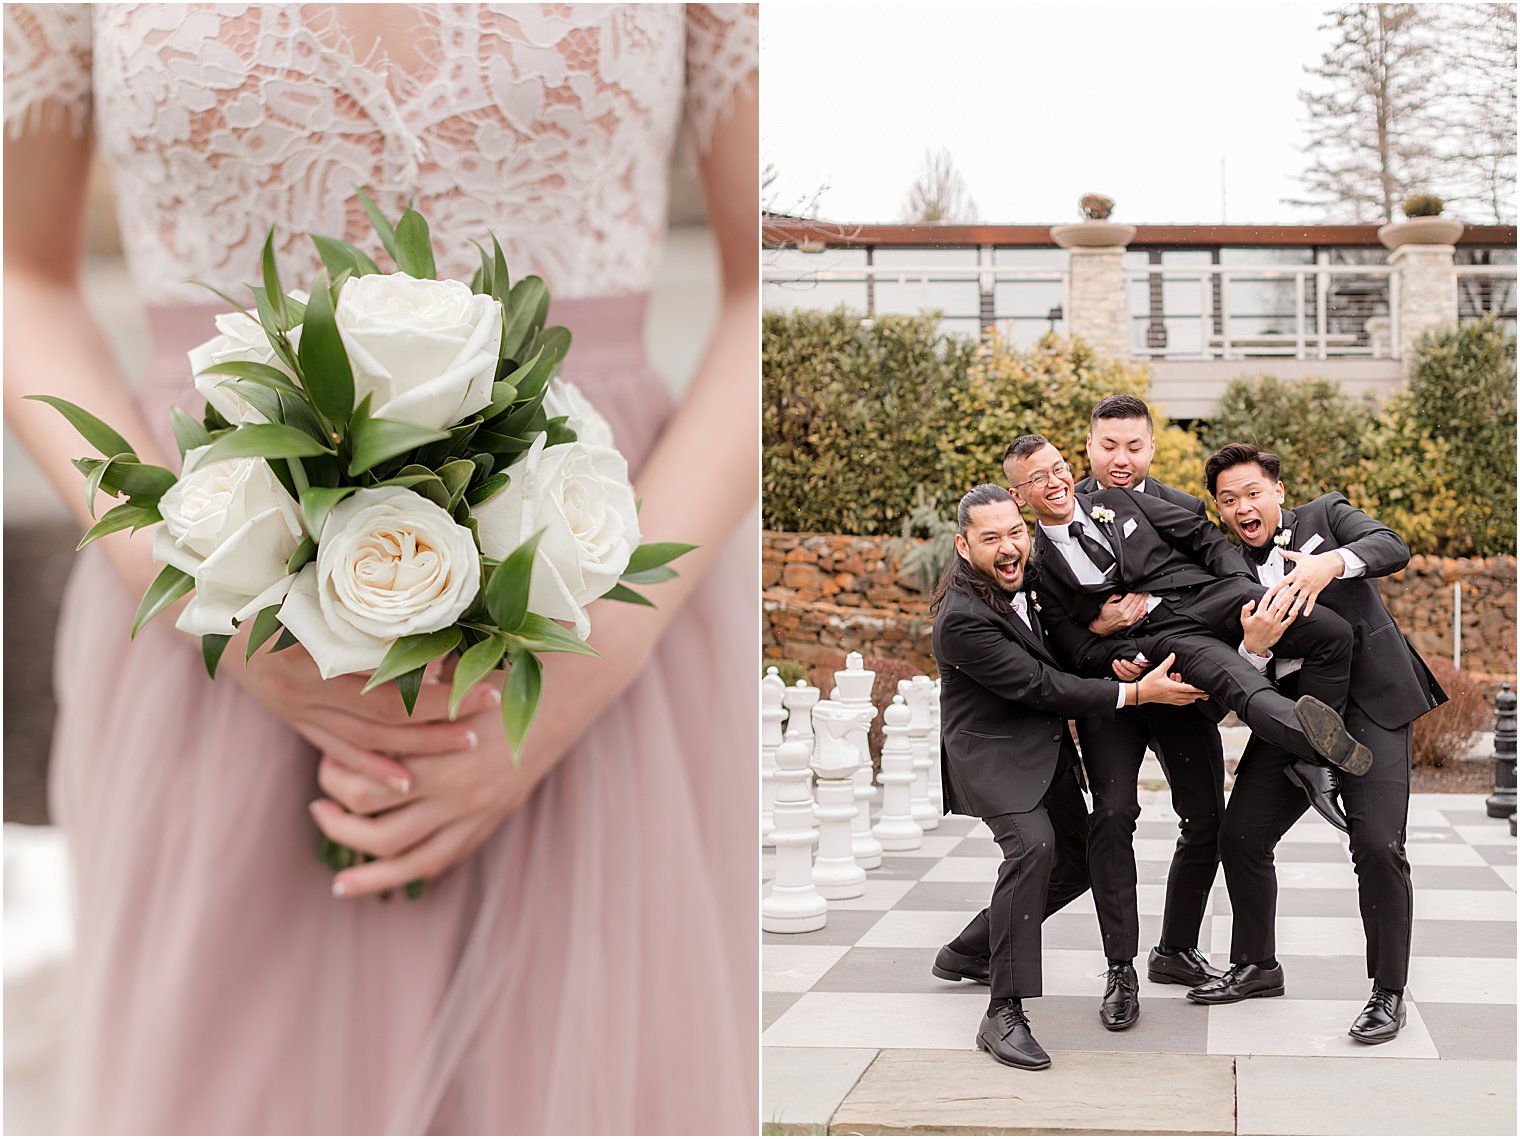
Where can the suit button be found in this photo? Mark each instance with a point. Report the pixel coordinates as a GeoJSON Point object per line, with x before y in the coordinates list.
{"type": "Point", "coordinates": [1055, 739]}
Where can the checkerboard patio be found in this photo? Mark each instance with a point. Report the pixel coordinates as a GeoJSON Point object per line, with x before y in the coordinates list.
{"type": "Point", "coordinates": [859, 1036]}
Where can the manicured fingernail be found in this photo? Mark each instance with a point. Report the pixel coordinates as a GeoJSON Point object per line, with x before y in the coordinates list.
{"type": "Point", "coordinates": [401, 785]}
{"type": "Point", "coordinates": [474, 740]}
{"type": "Point", "coordinates": [312, 806]}
{"type": "Point", "coordinates": [339, 888]}
{"type": "Point", "coordinates": [495, 694]}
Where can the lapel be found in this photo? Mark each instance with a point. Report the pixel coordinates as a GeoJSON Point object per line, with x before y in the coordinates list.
{"type": "Point", "coordinates": [1032, 640]}
{"type": "Point", "coordinates": [1051, 561]}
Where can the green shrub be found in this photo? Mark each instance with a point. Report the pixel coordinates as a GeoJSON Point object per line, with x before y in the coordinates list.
{"type": "Point", "coordinates": [790, 671]}
{"type": "Point", "coordinates": [1423, 206]}
{"type": "Point", "coordinates": [1444, 736]}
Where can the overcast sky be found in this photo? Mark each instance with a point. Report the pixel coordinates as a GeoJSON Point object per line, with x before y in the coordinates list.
{"type": "Point", "coordinates": [1039, 104]}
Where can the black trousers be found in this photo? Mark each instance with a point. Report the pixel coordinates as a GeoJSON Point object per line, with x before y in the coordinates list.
{"type": "Point", "coordinates": [1187, 743]}
{"type": "Point", "coordinates": [1044, 867]}
{"type": "Point", "coordinates": [1202, 626]}
{"type": "Point", "coordinates": [1263, 805]}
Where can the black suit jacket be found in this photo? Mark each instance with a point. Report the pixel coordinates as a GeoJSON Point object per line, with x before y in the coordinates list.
{"type": "Point", "coordinates": [1160, 490]}
{"type": "Point", "coordinates": [1389, 680]}
{"type": "Point", "coordinates": [1004, 703]}
{"type": "Point", "coordinates": [1159, 547]}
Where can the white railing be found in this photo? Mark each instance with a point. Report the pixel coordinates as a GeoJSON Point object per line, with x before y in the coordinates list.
{"type": "Point", "coordinates": [1230, 312]}
{"type": "Point", "coordinates": [1486, 289]}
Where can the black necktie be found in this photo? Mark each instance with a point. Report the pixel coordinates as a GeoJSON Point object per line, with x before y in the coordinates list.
{"type": "Point", "coordinates": [1260, 554]}
{"type": "Point", "coordinates": [1091, 547]}
{"type": "Point", "coordinates": [1033, 621]}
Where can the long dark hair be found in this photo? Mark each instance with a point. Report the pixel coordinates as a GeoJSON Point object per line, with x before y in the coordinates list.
{"type": "Point", "coordinates": [959, 575]}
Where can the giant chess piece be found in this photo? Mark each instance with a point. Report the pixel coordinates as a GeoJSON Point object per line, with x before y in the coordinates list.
{"type": "Point", "coordinates": [896, 828]}
{"type": "Point", "coordinates": [800, 700]}
{"type": "Point", "coordinates": [936, 772]}
{"type": "Point", "coordinates": [772, 692]}
{"type": "Point", "coordinates": [925, 751]}
{"type": "Point", "coordinates": [835, 759]}
{"type": "Point", "coordinates": [854, 683]}
{"type": "Point", "coordinates": [793, 904]}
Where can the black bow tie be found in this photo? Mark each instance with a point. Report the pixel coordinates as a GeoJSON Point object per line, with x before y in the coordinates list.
{"type": "Point", "coordinates": [1260, 554]}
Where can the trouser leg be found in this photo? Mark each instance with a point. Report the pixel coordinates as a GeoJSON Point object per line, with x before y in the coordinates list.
{"type": "Point", "coordinates": [1377, 806]}
{"type": "Point", "coordinates": [1262, 806]}
{"type": "Point", "coordinates": [1192, 757]}
{"type": "Point", "coordinates": [1111, 752]}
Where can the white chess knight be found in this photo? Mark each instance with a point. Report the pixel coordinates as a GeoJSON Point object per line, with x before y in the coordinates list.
{"type": "Point", "coordinates": [896, 829]}
{"type": "Point", "coordinates": [936, 772]}
{"type": "Point", "coordinates": [836, 758]}
{"type": "Point", "coordinates": [925, 750]}
{"type": "Point", "coordinates": [793, 904]}
{"type": "Point", "coordinates": [772, 693]}
{"type": "Point", "coordinates": [853, 685]}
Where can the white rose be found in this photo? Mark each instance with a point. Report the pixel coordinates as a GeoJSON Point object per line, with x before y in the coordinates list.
{"type": "Point", "coordinates": [426, 350]}
{"type": "Point", "coordinates": [389, 564]}
{"type": "Point", "coordinates": [564, 398]}
{"type": "Point", "coordinates": [239, 338]}
{"type": "Point", "coordinates": [232, 527]}
{"type": "Point", "coordinates": [580, 497]}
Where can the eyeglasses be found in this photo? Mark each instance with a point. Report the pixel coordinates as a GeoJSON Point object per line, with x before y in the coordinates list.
{"type": "Point", "coordinates": [1041, 479]}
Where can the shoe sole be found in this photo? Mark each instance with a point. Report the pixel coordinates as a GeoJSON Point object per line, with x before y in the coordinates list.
{"type": "Point", "coordinates": [1325, 731]}
{"type": "Point", "coordinates": [948, 975]}
{"type": "Point", "coordinates": [1276, 991]}
{"type": "Point", "coordinates": [1343, 825]}
{"type": "Point", "coordinates": [1119, 1027]}
{"type": "Point", "coordinates": [1035, 1066]}
{"type": "Point", "coordinates": [1168, 979]}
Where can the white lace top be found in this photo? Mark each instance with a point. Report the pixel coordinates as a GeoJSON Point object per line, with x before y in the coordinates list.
{"type": "Point", "coordinates": [550, 124]}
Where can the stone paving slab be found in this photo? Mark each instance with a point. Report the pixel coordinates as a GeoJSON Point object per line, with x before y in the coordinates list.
{"type": "Point", "coordinates": [803, 1087]}
{"type": "Point", "coordinates": [948, 1092]}
{"type": "Point", "coordinates": [1292, 1095]}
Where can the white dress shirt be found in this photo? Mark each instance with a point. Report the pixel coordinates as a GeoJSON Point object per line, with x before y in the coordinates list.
{"type": "Point", "coordinates": [1272, 571]}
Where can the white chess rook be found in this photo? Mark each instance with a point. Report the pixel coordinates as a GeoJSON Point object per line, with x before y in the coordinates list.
{"type": "Point", "coordinates": [854, 683]}
{"type": "Point", "coordinates": [936, 773]}
{"type": "Point", "coordinates": [793, 904]}
{"type": "Point", "coordinates": [925, 750]}
{"type": "Point", "coordinates": [835, 871]}
{"type": "Point", "coordinates": [896, 828]}
{"type": "Point", "coordinates": [772, 692]}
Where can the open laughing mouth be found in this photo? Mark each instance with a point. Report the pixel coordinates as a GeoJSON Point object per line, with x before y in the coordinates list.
{"type": "Point", "coordinates": [1250, 530]}
{"type": "Point", "coordinates": [1009, 571]}
{"type": "Point", "coordinates": [1120, 478]}
{"type": "Point", "coordinates": [1058, 495]}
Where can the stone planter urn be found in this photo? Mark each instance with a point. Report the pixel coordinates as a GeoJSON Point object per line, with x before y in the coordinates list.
{"type": "Point", "coordinates": [1415, 231]}
{"type": "Point", "coordinates": [1091, 234]}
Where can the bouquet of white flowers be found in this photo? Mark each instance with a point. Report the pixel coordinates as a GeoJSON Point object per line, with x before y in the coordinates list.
{"type": "Point", "coordinates": [387, 471]}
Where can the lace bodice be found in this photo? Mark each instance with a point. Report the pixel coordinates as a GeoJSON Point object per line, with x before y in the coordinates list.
{"type": "Point", "coordinates": [551, 125]}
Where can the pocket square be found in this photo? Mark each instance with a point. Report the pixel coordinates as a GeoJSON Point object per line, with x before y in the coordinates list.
{"type": "Point", "coordinates": [1312, 544]}
{"type": "Point", "coordinates": [1129, 526]}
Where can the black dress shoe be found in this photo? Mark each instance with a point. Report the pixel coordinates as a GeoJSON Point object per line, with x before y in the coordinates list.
{"type": "Point", "coordinates": [1005, 1034]}
{"type": "Point", "coordinates": [1185, 967]}
{"type": "Point", "coordinates": [1121, 999]}
{"type": "Point", "coordinates": [1320, 783]}
{"type": "Point", "coordinates": [1240, 982]}
{"type": "Point", "coordinates": [952, 966]}
{"type": "Point", "coordinates": [1327, 734]}
{"type": "Point", "coordinates": [1381, 1020]}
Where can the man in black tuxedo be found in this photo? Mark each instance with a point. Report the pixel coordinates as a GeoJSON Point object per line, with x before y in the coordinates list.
{"type": "Point", "coordinates": [1335, 552]}
{"type": "Point", "coordinates": [1120, 445]}
{"type": "Point", "coordinates": [1008, 758]}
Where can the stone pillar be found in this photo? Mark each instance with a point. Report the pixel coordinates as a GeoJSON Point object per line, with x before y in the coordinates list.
{"type": "Point", "coordinates": [1099, 309]}
{"type": "Point", "coordinates": [1427, 291]}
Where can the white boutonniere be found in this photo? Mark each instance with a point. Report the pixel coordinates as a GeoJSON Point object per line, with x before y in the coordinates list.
{"type": "Point", "coordinates": [1281, 540]}
{"type": "Point", "coordinates": [1102, 514]}
{"type": "Point", "coordinates": [1034, 599]}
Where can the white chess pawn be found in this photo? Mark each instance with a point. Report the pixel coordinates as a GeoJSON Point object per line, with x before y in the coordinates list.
{"type": "Point", "coordinates": [925, 750]}
{"type": "Point", "coordinates": [793, 904]}
{"type": "Point", "coordinates": [896, 828]}
{"type": "Point", "coordinates": [772, 692]}
{"type": "Point", "coordinates": [835, 871]}
{"type": "Point", "coordinates": [854, 685]}
{"type": "Point", "coordinates": [800, 700]}
{"type": "Point", "coordinates": [936, 772]}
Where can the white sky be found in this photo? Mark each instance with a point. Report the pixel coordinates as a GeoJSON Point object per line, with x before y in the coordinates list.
{"type": "Point", "coordinates": [1039, 104]}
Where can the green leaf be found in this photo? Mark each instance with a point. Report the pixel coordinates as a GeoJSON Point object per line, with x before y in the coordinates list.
{"type": "Point", "coordinates": [409, 684]}
{"type": "Point", "coordinates": [92, 483]}
{"type": "Point", "coordinates": [383, 229]}
{"type": "Point", "coordinates": [340, 255]}
{"type": "Point", "coordinates": [456, 475]}
{"type": "Point", "coordinates": [507, 591]}
{"type": "Point", "coordinates": [264, 374]}
{"type": "Point", "coordinates": [264, 440]}
{"type": "Point", "coordinates": [538, 634]}
{"type": "Point", "coordinates": [488, 489]}
{"type": "Point", "coordinates": [474, 664]}
{"type": "Point", "coordinates": [503, 396]}
{"type": "Point", "coordinates": [519, 698]}
{"type": "Point", "coordinates": [97, 434]}
{"type": "Point", "coordinates": [261, 399]}
{"type": "Point", "coordinates": [623, 593]}
{"type": "Point", "coordinates": [526, 309]}
{"type": "Point", "coordinates": [296, 411]}
{"type": "Point", "coordinates": [287, 640]}
{"type": "Point", "coordinates": [237, 305]}
{"type": "Point", "coordinates": [265, 625]}
{"type": "Point", "coordinates": [272, 288]}
{"type": "Point", "coordinates": [212, 647]}
{"type": "Point", "coordinates": [324, 362]}
{"type": "Point", "coordinates": [414, 248]}
{"type": "Point", "coordinates": [133, 514]}
{"type": "Point", "coordinates": [139, 480]}
{"type": "Point", "coordinates": [553, 342]}
{"type": "Point", "coordinates": [302, 554]}
{"type": "Point", "coordinates": [408, 653]}
{"type": "Point", "coordinates": [318, 501]}
{"type": "Point", "coordinates": [376, 440]}
{"type": "Point", "coordinates": [168, 587]}
{"type": "Point", "coordinates": [652, 554]}
{"type": "Point", "coordinates": [480, 283]}
{"type": "Point", "coordinates": [651, 576]}
{"type": "Point", "coordinates": [501, 281]}
{"type": "Point", "coordinates": [414, 889]}
{"type": "Point", "coordinates": [188, 434]}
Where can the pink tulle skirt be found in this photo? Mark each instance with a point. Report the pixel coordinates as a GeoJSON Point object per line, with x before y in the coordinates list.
{"type": "Point", "coordinates": [590, 969]}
